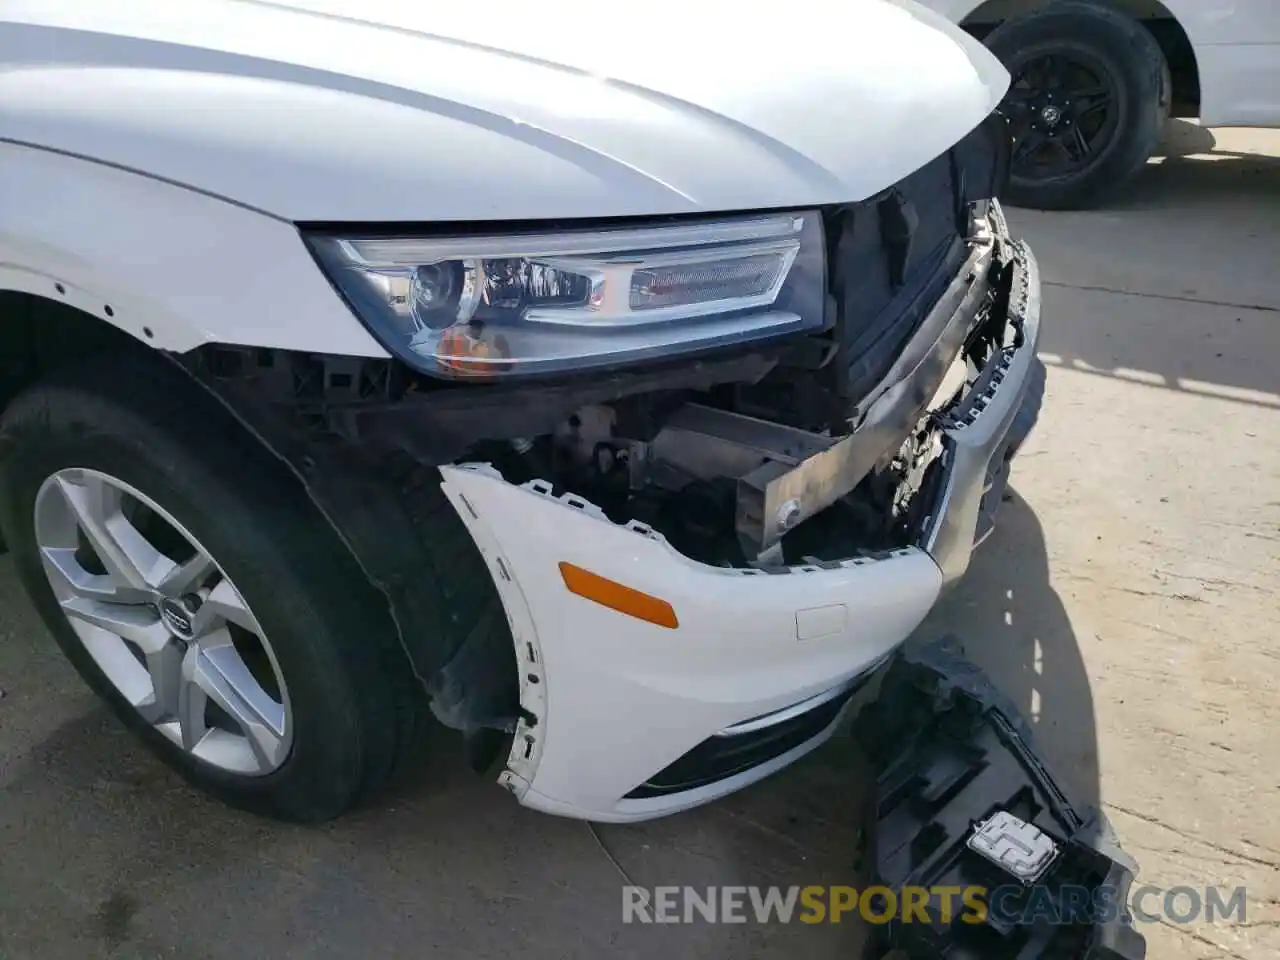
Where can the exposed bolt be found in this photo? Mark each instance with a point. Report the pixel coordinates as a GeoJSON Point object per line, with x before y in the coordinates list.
{"type": "Point", "coordinates": [788, 514]}
{"type": "Point", "coordinates": [604, 459]}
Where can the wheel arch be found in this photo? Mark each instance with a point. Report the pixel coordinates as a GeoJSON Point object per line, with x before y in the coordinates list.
{"type": "Point", "coordinates": [470, 679]}
{"type": "Point", "coordinates": [39, 335]}
{"type": "Point", "coordinates": [1174, 26]}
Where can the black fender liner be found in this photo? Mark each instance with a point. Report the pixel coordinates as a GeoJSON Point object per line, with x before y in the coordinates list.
{"type": "Point", "coordinates": [390, 512]}
{"type": "Point", "coordinates": [368, 460]}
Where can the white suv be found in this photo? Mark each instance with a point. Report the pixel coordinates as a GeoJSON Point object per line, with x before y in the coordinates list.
{"type": "Point", "coordinates": [625, 394]}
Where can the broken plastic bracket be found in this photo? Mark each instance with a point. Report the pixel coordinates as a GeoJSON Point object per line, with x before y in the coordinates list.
{"type": "Point", "coordinates": [953, 755]}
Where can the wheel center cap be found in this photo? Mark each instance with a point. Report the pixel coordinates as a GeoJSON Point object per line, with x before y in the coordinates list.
{"type": "Point", "coordinates": [1051, 115]}
{"type": "Point", "coordinates": [178, 617]}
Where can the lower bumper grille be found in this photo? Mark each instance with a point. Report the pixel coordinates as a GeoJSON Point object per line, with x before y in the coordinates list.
{"type": "Point", "coordinates": [720, 757]}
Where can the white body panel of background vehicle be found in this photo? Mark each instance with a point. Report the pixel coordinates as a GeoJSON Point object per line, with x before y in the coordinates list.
{"type": "Point", "coordinates": [1236, 45]}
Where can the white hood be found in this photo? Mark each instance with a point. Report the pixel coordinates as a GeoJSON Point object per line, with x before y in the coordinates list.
{"type": "Point", "coordinates": [419, 110]}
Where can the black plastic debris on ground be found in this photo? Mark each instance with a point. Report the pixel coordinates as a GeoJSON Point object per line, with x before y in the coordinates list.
{"type": "Point", "coordinates": [950, 752]}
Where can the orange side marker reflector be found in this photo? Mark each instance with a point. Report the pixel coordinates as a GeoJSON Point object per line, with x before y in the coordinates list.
{"type": "Point", "coordinates": [616, 596]}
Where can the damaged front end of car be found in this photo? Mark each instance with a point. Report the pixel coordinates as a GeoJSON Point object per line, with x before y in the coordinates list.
{"type": "Point", "coordinates": [864, 430]}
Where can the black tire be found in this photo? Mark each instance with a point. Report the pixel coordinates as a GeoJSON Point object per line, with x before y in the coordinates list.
{"type": "Point", "coordinates": [1125, 55]}
{"type": "Point", "coordinates": [350, 686]}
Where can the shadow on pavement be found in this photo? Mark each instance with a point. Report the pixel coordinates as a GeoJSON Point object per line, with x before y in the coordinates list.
{"type": "Point", "coordinates": [1012, 623]}
{"type": "Point", "coordinates": [1192, 170]}
{"type": "Point", "coordinates": [104, 853]}
{"type": "Point", "coordinates": [1184, 137]}
{"type": "Point", "coordinates": [1191, 246]}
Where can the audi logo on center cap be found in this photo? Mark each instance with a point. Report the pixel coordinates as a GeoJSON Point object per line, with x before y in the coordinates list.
{"type": "Point", "coordinates": [178, 617]}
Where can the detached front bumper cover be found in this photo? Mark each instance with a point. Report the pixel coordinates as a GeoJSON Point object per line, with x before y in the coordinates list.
{"type": "Point", "coordinates": [964, 801]}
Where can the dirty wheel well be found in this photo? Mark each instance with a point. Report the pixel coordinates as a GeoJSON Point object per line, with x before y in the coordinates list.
{"type": "Point", "coordinates": [443, 600]}
{"type": "Point", "coordinates": [38, 336]}
{"type": "Point", "coordinates": [1152, 14]}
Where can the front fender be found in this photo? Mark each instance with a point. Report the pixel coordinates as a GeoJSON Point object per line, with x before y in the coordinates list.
{"type": "Point", "coordinates": [173, 267]}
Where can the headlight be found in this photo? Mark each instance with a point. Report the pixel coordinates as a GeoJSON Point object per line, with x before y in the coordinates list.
{"type": "Point", "coordinates": [497, 306]}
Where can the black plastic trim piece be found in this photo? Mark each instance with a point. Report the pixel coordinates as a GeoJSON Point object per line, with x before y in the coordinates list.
{"type": "Point", "coordinates": [949, 751]}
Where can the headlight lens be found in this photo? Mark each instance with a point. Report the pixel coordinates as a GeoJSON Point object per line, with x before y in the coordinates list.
{"type": "Point", "coordinates": [499, 306]}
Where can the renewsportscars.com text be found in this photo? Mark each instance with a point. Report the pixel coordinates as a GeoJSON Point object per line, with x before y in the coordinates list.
{"type": "Point", "coordinates": [1015, 904]}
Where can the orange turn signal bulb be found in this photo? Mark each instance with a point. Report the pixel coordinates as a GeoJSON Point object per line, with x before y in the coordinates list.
{"type": "Point", "coordinates": [462, 353]}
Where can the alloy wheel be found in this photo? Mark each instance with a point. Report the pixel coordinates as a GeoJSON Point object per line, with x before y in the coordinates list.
{"type": "Point", "coordinates": [163, 622]}
{"type": "Point", "coordinates": [1064, 110]}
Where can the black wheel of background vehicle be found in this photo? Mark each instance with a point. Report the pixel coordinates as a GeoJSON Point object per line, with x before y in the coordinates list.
{"type": "Point", "coordinates": [1087, 103]}
{"type": "Point", "coordinates": [193, 586]}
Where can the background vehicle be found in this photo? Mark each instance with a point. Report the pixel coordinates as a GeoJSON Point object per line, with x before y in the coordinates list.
{"type": "Point", "coordinates": [1094, 81]}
